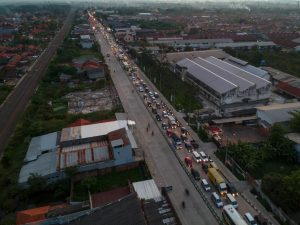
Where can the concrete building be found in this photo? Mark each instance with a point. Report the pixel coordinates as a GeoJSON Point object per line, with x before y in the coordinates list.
{"type": "Point", "coordinates": [247, 45]}
{"type": "Point", "coordinates": [228, 87]}
{"type": "Point", "coordinates": [87, 147]}
{"type": "Point", "coordinates": [277, 113]}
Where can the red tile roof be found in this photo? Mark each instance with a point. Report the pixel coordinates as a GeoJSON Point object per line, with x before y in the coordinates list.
{"type": "Point", "coordinates": [80, 122]}
{"type": "Point", "coordinates": [289, 89]}
{"type": "Point", "coordinates": [36, 214]}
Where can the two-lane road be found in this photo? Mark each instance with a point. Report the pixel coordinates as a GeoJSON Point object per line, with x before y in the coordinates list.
{"type": "Point", "coordinates": [15, 104]}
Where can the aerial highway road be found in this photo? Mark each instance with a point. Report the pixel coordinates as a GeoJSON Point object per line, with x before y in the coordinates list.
{"type": "Point", "coordinates": [15, 104]}
{"type": "Point", "coordinates": [162, 163]}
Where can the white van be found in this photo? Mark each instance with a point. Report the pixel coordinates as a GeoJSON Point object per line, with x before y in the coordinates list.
{"type": "Point", "coordinates": [196, 156]}
{"type": "Point", "coordinates": [205, 185]}
{"type": "Point", "coordinates": [231, 200]}
{"type": "Point", "coordinates": [249, 219]}
{"type": "Point", "coordinates": [203, 156]}
{"type": "Point", "coordinates": [217, 200]}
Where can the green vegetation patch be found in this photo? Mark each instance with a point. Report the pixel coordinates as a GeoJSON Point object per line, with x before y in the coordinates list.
{"type": "Point", "coordinates": [182, 95]}
{"type": "Point", "coordinates": [4, 92]}
{"type": "Point", "coordinates": [285, 61]}
{"type": "Point", "coordinates": [106, 182]}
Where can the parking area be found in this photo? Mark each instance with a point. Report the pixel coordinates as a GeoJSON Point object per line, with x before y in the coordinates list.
{"type": "Point", "coordinates": [89, 101]}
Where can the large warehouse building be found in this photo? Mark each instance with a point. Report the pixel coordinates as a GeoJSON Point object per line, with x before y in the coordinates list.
{"type": "Point", "coordinates": [88, 147]}
{"type": "Point", "coordinates": [229, 87]}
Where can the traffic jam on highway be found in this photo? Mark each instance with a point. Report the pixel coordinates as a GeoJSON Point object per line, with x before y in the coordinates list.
{"type": "Point", "coordinates": [205, 172]}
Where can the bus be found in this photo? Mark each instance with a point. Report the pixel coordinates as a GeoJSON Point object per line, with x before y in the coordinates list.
{"type": "Point", "coordinates": [231, 216]}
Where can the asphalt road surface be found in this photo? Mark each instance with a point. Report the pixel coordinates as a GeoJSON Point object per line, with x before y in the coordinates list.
{"type": "Point", "coordinates": [161, 161]}
{"type": "Point", "coordinates": [15, 104]}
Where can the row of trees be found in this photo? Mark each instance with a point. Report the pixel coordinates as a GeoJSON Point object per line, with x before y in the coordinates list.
{"type": "Point", "coordinates": [181, 94]}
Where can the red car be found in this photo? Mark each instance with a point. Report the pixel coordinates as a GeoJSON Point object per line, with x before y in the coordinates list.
{"type": "Point", "coordinates": [188, 161]}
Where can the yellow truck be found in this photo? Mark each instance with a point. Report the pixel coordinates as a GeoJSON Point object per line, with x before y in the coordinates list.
{"type": "Point", "coordinates": [217, 180]}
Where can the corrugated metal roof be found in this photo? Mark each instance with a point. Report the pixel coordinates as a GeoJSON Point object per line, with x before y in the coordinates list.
{"type": "Point", "coordinates": [242, 83]}
{"type": "Point", "coordinates": [44, 165]}
{"type": "Point", "coordinates": [214, 81]}
{"type": "Point", "coordinates": [146, 189]}
{"type": "Point", "coordinates": [279, 112]}
{"type": "Point", "coordinates": [83, 154]}
{"type": "Point", "coordinates": [258, 81]}
{"type": "Point", "coordinates": [245, 44]}
{"type": "Point", "coordinates": [39, 144]}
{"type": "Point", "coordinates": [245, 66]}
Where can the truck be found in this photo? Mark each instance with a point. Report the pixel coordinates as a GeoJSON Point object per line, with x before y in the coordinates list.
{"type": "Point", "coordinates": [217, 180]}
{"type": "Point", "coordinates": [172, 122]}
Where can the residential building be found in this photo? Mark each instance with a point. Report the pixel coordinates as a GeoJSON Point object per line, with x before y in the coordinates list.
{"type": "Point", "coordinates": [278, 113]}
{"type": "Point", "coordinates": [229, 88]}
{"type": "Point", "coordinates": [88, 147]}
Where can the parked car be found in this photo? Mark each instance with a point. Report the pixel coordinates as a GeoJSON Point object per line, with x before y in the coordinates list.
{"type": "Point", "coordinates": [154, 110]}
{"type": "Point", "coordinates": [184, 130]}
{"type": "Point", "coordinates": [231, 189]}
{"type": "Point", "coordinates": [205, 168]}
{"type": "Point", "coordinates": [203, 156]}
{"type": "Point", "coordinates": [141, 89]}
{"type": "Point", "coordinates": [188, 161]}
{"type": "Point", "coordinates": [165, 125]}
{"type": "Point", "coordinates": [158, 118]}
{"type": "Point", "coordinates": [195, 174]}
{"type": "Point", "coordinates": [249, 219]}
{"type": "Point", "coordinates": [155, 94]}
{"type": "Point", "coordinates": [216, 199]}
{"type": "Point", "coordinates": [164, 114]}
{"type": "Point", "coordinates": [205, 185]}
{"type": "Point", "coordinates": [261, 220]}
{"type": "Point", "coordinates": [195, 144]}
{"type": "Point", "coordinates": [188, 146]}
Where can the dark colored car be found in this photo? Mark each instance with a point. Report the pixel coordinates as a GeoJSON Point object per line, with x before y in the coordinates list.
{"type": "Point", "coordinates": [194, 144]}
{"type": "Point", "coordinates": [231, 189]}
{"type": "Point", "coordinates": [165, 126]}
{"type": "Point", "coordinates": [154, 110]}
{"type": "Point", "coordinates": [205, 167]}
{"type": "Point", "coordinates": [183, 130]}
{"type": "Point", "coordinates": [195, 174]}
{"type": "Point", "coordinates": [188, 146]}
{"type": "Point", "coordinates": [158, 118]}
{"type": "Point", "coordinates": [260, 219]}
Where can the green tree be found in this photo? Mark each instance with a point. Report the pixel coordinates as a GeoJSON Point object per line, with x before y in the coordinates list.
{"type": "Point", "coordinates": [295, 121]}
{"type": "Point", "coordinates": [36, 183]}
